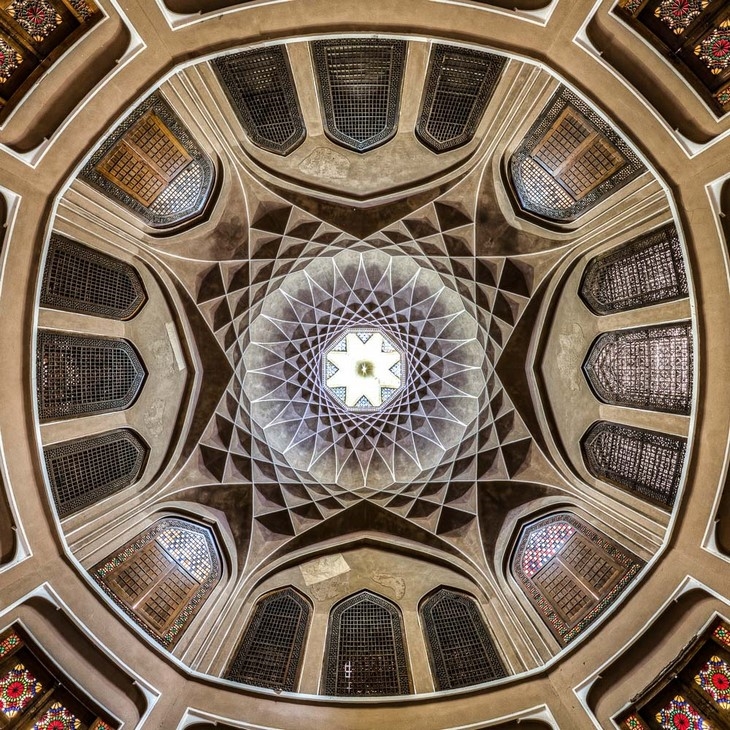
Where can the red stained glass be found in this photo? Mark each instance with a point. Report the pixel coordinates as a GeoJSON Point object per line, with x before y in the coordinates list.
{"type": "Point", "coordinates": [57, 717]}
{"type": "Point", "coordinates": [681, 715]}
{"type": "Point", "coordinates": [18, 688]}
{"type": "Point", "coordinates": [38, 18]}
{"type": "Point", "coordinates": [714, 49]}
{"type": "Point", "coordinates": [680, 14]}
{"type": "Point", "coordinates": [714, 678]}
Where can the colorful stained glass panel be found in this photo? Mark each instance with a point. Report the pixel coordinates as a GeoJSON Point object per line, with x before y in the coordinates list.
{"type": "Point", "coordinates": [680, 14]}
{"type": "Point", "coordinates": [18, 688]}
{"type": "Point", "coordinates": [633, 722]}
{"type": "Point", "coordinates": [544, 544]}
{"type": "Point", "coordinates": [57, 717]}
{"type": "Point", "coordinates": [189, 549]}
{"type": "Point", "coordinates": [714, 49]}
{"type": "Point", "coordinates": [714, 678]}
{"type": "Point", "coordinates": [722, 634]}
{"type": "Point", "coordinates": [681, 715]}
{"type": "Point", "coordinates": [9, 643]}
{"type": "Point", "coordinates": [38, 18]}
{"type": "Point", "coordinates": [10, 59]}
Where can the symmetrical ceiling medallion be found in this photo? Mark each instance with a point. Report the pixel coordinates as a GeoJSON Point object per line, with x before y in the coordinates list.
{"type": "Point", "coordinates": [363, 369]}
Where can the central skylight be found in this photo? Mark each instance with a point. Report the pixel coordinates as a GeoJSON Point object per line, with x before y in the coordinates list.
{"type": "Point", "coordinates": [363, 369]}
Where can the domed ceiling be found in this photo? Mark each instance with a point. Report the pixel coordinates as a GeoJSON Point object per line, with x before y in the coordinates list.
{"type": "Point", "coordinates": [382, 346]}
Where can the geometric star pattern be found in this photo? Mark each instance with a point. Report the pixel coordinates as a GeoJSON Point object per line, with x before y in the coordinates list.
{"type": "Point", "coordinates": [302, 477]}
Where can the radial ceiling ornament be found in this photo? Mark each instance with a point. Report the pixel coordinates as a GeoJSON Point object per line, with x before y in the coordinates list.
{"type": "Point", "coordinates": [364, 370]}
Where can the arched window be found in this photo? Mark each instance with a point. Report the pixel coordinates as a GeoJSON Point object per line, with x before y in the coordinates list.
{"type": "Point", "coordinates": [151, 165]}
{"type": "Point", "coordinates": [365, 653]}
{"type": "Point", "coordinates": [79, 279]}
{"type": "Point", "coordinates": [87, 470]}
{"type": "Point", "coordinates": [644, 462]}
{"type": "Point", "coordinates": [34, 695]}
{"type": "Point", "coordinates": [460, 648]}
{"type": "Point", "coordinates": [694, 36]}
{"type": "Point", "coordinates": [271, 650]}
{"type": "Point", "coordinates": [570, 572]}
{"type": "Point", "coordinates": [650, 367]}
{"type": "Point", "coordinates": [33, 35]}
{"type": "Point", "coordinates": [645, 271]}
{"type": "Point", "coordinates": [359, 87]}
{"type": "Point", "coordinates": [570, 160]}
{"type": "Point", "coordinates": [163, 576]}
{"type": "Point", "coordinates": [459, 84]}
{"type": "Point", "coordinates": [261, 89]}
{"type": "Point", "coordinates": [80, 375]}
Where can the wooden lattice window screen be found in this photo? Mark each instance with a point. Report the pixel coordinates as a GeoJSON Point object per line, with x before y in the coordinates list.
{"type": "Point", "coordinates": [570, 572]}
{"type": "Point", "coordinates": [460, 649]}
{"type": "Point", "coordinates": [365, 652]}
{"type": "Point", "coordinates": [145, 160]}
{"type": "Point", "coordinates": [271, 650]}
{"type": "Point", "coordinates": [163, 576]}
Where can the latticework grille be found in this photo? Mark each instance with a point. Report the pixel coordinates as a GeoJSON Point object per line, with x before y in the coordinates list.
{"type": "Point", "coordinates": [162, 577]}
{"type": "Point", "coordinates": [145, 160]}
{"type": "Point", "coordinates": [360, 84]}
{"type": "Point", "coordinates": [79, 279]}
{"type": "Point", "coordinates": [460, 648]}
{"type": "Point", "coordinates": [645, 271]}
{"type": "Point", "coordinates": [365, 653]}
{"type": "Point", "coordinates": [261, 89]}
{"type": "Point", "coordinates": [459, 85]}
{"type": "Point", "coordinates": [650, 367]}
{"type": "Point", "coordinates": [271, 650]}
{"type": "Point", "coordinates": [570, 160]}
{"type": "Point", "coordinates": [80, 375]}
{"type": "Point", "coordinates": [644, 462]}
{"type": "Point", "coordinates": [151, 165]}
{"type": "Point", "coordinates": [570, 572]}
{"type": "Point", "coordinates": [85, 471]}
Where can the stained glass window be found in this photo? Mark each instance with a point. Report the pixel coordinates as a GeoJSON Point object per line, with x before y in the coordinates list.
{"type": "Point", "coordinates": [18, 688]}
{"type": "Point", "coordinates": [645, 271]}
{"type": "Point", "coordinates": [644, 462]}
{"type": "Point", "coordinates": [33, 35]}
{"type": "Point", "coordinates": [57, 717]}
{"type": "Point", "coordinates": [693, 692]}
{"type": "Point", "coordinates": [570, 572]}
{"type": "Point", "coordinates": [359, 87]}
{"type": "Point", "coordinates": [271, 650]}
{"type": "Point", "coordinates": [79, 279]}
{"type": "Point", "coordinates": [461, 651]}
{"type": "Point", "coordinates": [80, 375]}
{"type": "Point", "coordinates": [459, 85]}
{"type": "Point", "coordinates": [694, 35]}
{"type": "Point", "coordinates": [151, 165]}
{"type": "Point", "coordinates": [650, 367]}
{"type": "Point", "coordinates": [365, 653]}
{"type": "Point", "coordinates": [87, 470]}
{"type": "Point", "coordinates": [679, 713]}
{"type": "Point", "coordinates": [34, 696]}
{"type": "Point", "coordinates": [162, 577]}
{"type": "Point", "coordinates": [260, 86]}
{"type": "Point", "coordinates": [714, 678]}
{"type": "Point", "coordinates": [570, 160]}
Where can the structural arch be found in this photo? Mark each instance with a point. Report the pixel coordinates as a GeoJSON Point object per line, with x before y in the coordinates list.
{"type": "Point", "coordinates": [461, 650]}
{"type": "Point", "coordinates": [365, 651]}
